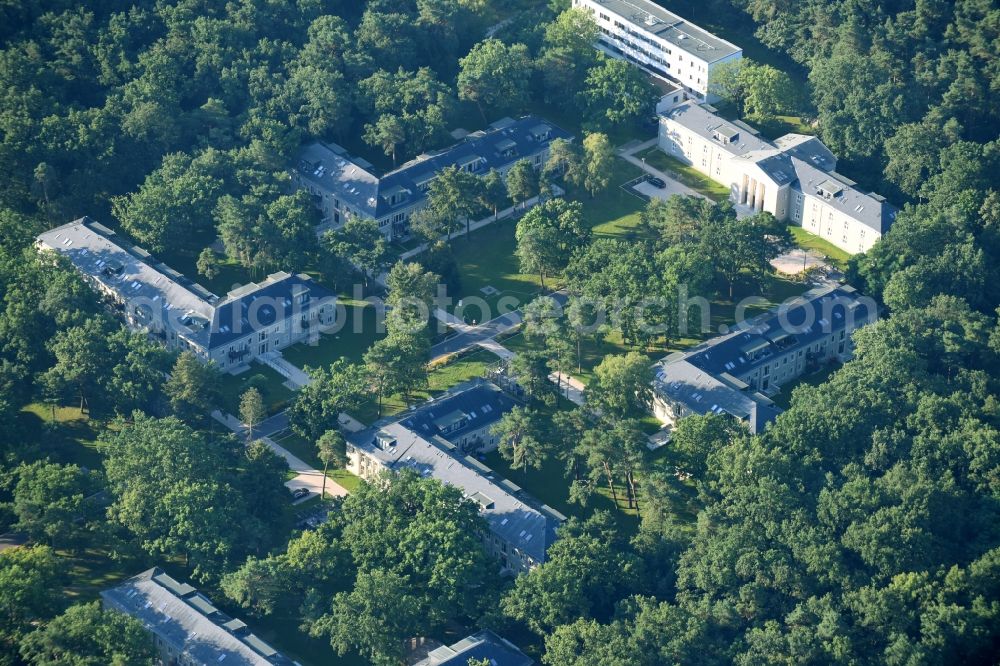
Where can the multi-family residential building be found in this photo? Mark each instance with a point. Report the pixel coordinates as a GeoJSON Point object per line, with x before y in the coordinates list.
{"type": "Point", "coordinates": [482, 645]}
{"type": "Point", "coordinates": [247, 323]}
{"type": "Point", "coordinates": [187, 628]}
{"type": "Point", "coordinates": [794, 178]}
{"type": "Point", "coordinates": [424, 440]}
{"type": "Point", "coordinates": [463, 416]}
{"type": "Point", "coordinates": [735, 373]}
{"type": "Point", "coordinates": [661, 42]}
{"type": "Point", "coordinates": [346, 187]}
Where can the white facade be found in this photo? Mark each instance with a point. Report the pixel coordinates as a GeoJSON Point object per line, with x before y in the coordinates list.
{"type": "Point", "coordinates": [793, 178]}
{"type": "Point", "coordinates": [661, 42]}
{"type": "Point", "coordinates": [149, 296]}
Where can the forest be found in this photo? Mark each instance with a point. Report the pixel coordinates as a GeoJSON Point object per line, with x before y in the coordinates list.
{"type": "Point", "coordinates": [862, 527]}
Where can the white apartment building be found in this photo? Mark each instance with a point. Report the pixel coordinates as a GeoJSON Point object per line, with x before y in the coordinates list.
{"type": "Point", "coordinates": [793, 178]}
{"type": "Point", "coordinates": [249, 322]}
{"type": "Point", "coordinates": [737, 373]}
{"type": "Point", "coordinates": [432, 440]}
{"type": "Point", "coordinates": [661, 42]}
{"type": "Point", "coordinates": [344, 187]}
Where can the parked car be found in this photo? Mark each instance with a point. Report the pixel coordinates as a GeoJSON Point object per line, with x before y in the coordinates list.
{"type": "Point", "coordinates": [657, 182]}
{"type": "Point", "coordinates": [299, 493]}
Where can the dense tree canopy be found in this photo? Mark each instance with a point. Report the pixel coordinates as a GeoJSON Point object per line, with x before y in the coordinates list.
{"type": "Point", "coordinates": [184, 493]}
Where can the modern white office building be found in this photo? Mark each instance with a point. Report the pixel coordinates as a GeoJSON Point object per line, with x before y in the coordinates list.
{"type": "Point", "coordinates": [661, 42]}
{"type": "Point", "coordinates": [794, 178]}
{"type": "Point", "coordinates": [249, 322]}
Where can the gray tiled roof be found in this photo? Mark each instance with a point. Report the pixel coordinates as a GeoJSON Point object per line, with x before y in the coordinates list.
{"type": "Point", "coordinates": [510, 512]}
{"type": "Point", "coordinates": [701, 119]}
{"type": "Point", "coordinates": [334, 172]}
{"type": "Point", "coordinates": [816, 315]}
{"type": "Point", "coordinates": [874, 212]}
{"type": "Point", "coordinates": [794, 159]}
{"type": "Point", "coordinates": [189, 309]}
{"type": "Point", "coordinates": [706, 377]}
{"type": "Point", "coordinates": [481, 405]}
{"type": "Point", "coordinates": [481, 645]}
{"type": "Point", "coordinates": [652, 18]}
{"type": "Point", "coordinates": [188, 621]}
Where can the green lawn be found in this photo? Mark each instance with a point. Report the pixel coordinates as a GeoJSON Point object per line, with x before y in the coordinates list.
{"type": "Point", "coordinates": [68, 439]}
{"type": "Point", "coordinates": [441, 377]}
{"type": "Point", "coordinates": [306, 452]}
{"type": "Point", "coordinates": [487, 259]}
{"type": "Point", "coordinates": [810, 241]}
{"type": "Point", "coordinates": [551, 486]}
{"type": "Point", "coordinates": [613, 212]}
{"type": "Point", "coordinates": [686, 174]}
{"type": "Point", "coordinates": [230, 275]}
{"type": "Point", "coordinates": [276, 394]}
{"type": "Point", "coordinates": [350, 342]}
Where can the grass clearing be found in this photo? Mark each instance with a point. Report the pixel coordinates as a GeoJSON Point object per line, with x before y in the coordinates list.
{"type": "Point", "coordinates": [358, 332]}
{"type": "Point", "coordinates": [276, 394]}
{"type": "Point", "coordinates": [69, 438]}
{"type": "Point", "coordinates": [306, 452]}
{"type": "Point", "coordinates": [487, 259]}
{"type": "Point", "coordinates": [230, 273]}
{"type": "Point", "coordinates": [685, 174]}
{"type": "Point", "coordinates": [614, 212]}
{"type": "Point", "coordinates": [442, 376]}
{"type": "Point", "coordinates": [810, 241]}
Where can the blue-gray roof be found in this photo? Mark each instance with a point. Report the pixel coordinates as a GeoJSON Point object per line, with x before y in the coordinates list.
{"type": "Point", "coordinates": [259, 305]}
{"type": "Point", "coordinates": [189, 622]}
{"type": "Point", "coordinates": [477, 407]}
{"type": "Point", "coordinates": [481, 645]}
{"type": "Point", "coordinates": [170, 298]}
{"type": "Point", "coordinates": [334, 172]}
{"type": "Point", "coordinates": [800, 323]}
{"type": "Point", "coordinates": [707, 378]}
{"type": "Point", "coordinates": [510, 512]}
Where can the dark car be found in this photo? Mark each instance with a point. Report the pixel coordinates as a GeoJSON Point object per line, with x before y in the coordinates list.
{"type": "Point", "coordinates": [299, 493]}
{"type": "Point", "coordinates": [657, 182]}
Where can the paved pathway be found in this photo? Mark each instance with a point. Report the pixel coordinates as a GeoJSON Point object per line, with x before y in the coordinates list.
{"type": "Point", "coordinates": [296, 376]}
{"type": "Point", "coordinates": [673, 186]}
{"type": "Point", "coordinates": [306, 476]}
{"type": "Point", "coordinates": [475, 335]}
{"type": "Point", "coordinates": [12, 540]}
{"type": "Point", "coordinates": [570, 387]}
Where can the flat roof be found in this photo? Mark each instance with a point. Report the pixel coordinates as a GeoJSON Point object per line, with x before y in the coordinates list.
{"type": "Point", "coordinates": [678, 31]}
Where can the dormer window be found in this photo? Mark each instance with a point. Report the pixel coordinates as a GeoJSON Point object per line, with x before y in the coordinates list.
{"type": "Point", "coordinates": [384, 440]}
{"type": "Point", "coordinates": [506, 148]}
{"type": "Point", "coordinates": [828, 189]}
{"type": "Point", "coordinates": [726, 135]}
{"type": "Point", "coordinates": [540, 132]}
{"type": "Point", "coordinates": [471, 164]}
